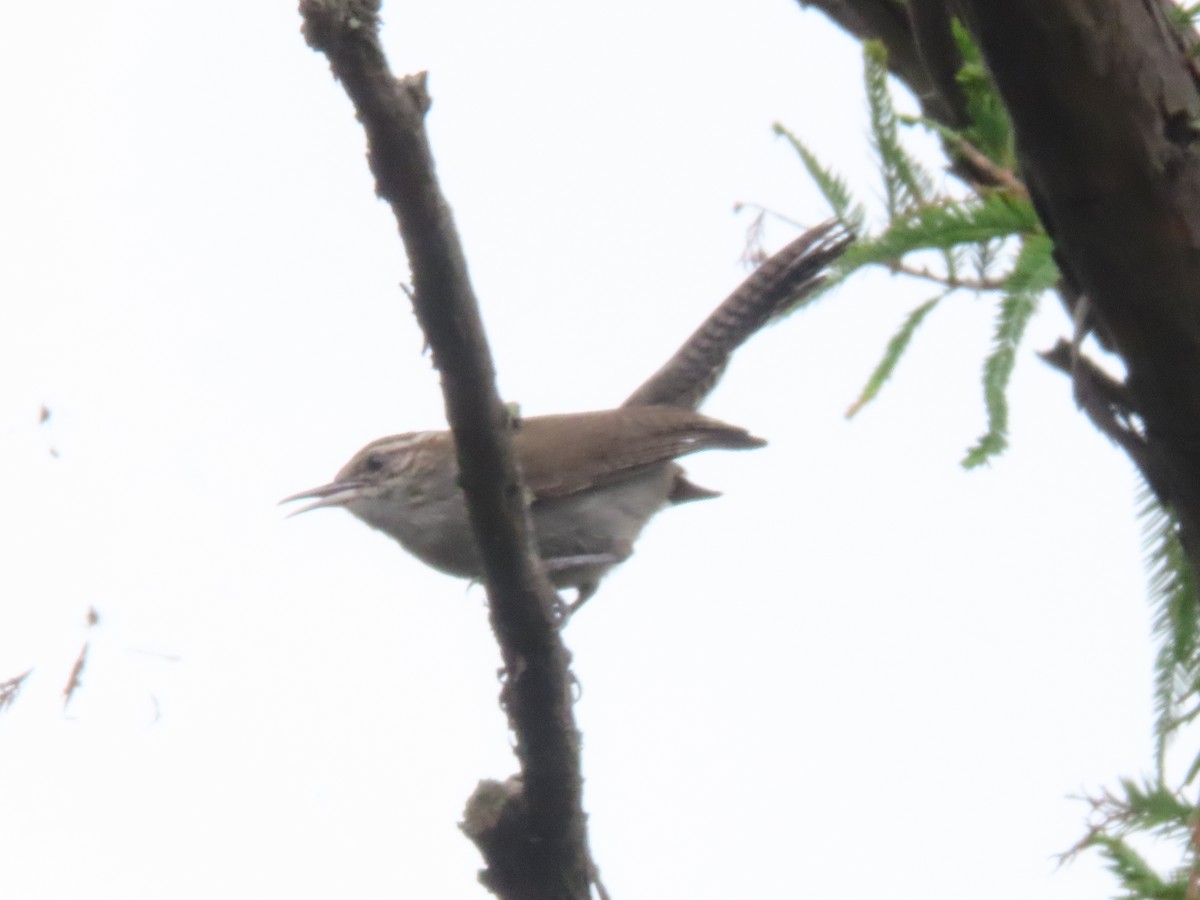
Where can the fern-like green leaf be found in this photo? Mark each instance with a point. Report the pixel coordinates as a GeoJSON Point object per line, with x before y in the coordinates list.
{"type": "Point", "coordinates": [990, 130]}
{"type": "Point", "coordinates": [1155, 809]}
{"type": "Point", "coordinates": [831, 185]}
{"type": "Point", "coordinates": [1135, 874]}
{"type": "Point", "coordinates": [1034, 270]}
{"type": "Point", "coordinates": [943, 226]}
{"type": "Point", "coordinates": [905, 181]}
{"type": "Point", "coordinates": [1015, 313]}
{"type": "Point", "coordinates": [891, 356]}
{"type": "Point", "coordinates": [1172, 588]}
{"type": "Point", "coordinates": [1016, 309]}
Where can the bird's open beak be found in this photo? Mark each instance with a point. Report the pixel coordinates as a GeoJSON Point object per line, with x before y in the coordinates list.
{"type": "Point", "coordinates": [336, 493]}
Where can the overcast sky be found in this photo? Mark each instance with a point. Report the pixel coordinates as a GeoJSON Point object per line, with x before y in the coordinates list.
{"type": "Point", "coordinates": [860, 670]}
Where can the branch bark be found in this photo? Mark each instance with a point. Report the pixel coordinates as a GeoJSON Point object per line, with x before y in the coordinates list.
{"type": "Point", "coordinates": [541, 852]}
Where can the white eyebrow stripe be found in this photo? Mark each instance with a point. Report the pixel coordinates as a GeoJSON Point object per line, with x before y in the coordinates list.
{"type": "Point", "coordinates": [398, 441]}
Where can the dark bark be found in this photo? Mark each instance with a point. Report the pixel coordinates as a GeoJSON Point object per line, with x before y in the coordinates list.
{"type": "Point", "coordinates": [1106, 113]}
{"type": "Point", "coordinates": [544, 834]}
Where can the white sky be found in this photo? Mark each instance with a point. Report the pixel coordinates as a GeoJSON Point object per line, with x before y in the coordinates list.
{"type": "Point", "coordinates": [861, 670]}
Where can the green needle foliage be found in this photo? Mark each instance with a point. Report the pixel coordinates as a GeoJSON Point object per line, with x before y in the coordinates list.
{"type": "Point", "coordinates": [1137, 875]}
{"type": "Point", "coordinates": [920, 219]}
{"type": "Point", "coordinates": [944, 225]}
{"type": "Point", "coordinates": [1176, 621]}
{"type": "Point", "coordinates": [990, 131]}
{"type": "Point", "coordinates": [832, 186]}
{"type": "Point", "coordinates": [1155, 809]}
{"type": "Point", "coordinates": [1032, 274]}
{"type": "Point", "coordinates": [891, 356]}
{"type": "Point", "coordinates": [1016, 309]}
{"type": "Point", "coordinates": [1133, 814]}
{"type": "Point", "coordinates": [989, 243]}
{"type": "Point", "coordinates": [906, 184]}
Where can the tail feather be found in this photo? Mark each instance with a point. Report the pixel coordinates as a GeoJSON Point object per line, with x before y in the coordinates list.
{"type": "Point", "coordinates": [684, 491]}
{"type": "Point", "coordinates": [791, 274]}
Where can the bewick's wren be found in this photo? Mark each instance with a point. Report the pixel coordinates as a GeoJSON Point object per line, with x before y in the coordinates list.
{"type": "Point", "coordinates": [596, 478]}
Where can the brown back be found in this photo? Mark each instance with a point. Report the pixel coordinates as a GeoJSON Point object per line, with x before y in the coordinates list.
{"type": "Point", "coordinates": [599, 447]}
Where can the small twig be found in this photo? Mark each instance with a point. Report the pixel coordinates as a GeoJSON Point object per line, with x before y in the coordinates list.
{"type": "Point", "coordinates": [1000, 176]}
{"type": "Point", "coordinates": [753, 254]}
{"type": "Point", "coordinates": [1107, 810]}
{"type": "Point", "coordinates": [1193, 888]}
{"type": "Point", "coordinates": [969, 284]}
{"type": "Point", "coordinates": [1097, 393]}
{"type": "Point", "coordinates": [764, 211]}
{"type": "Point", "coordinates": [10, 687]}
{"type": "Point", "coordinates": [601, 890]}
{"type": "Point", "coordinates": [1109, 405]}
{"type": "Point", "coordinates": [75, 682]}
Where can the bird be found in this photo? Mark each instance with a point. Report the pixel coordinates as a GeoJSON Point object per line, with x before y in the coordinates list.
{"type": "Point", "coordinates": [596, 478]}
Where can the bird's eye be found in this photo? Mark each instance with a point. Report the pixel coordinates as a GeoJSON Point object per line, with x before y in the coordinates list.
{"type": "Point", "coordinates": [374, 462]}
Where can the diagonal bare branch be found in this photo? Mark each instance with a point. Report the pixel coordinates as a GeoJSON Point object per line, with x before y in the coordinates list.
{"type": "Point", "coordinates": [550, 860]}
